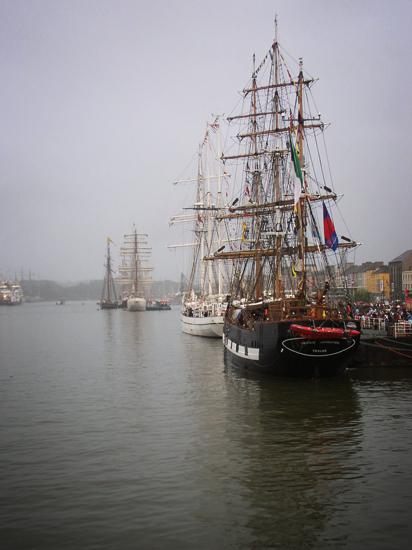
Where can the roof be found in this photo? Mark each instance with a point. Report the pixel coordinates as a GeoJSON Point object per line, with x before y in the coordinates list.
{"type": "Point", "coordinates": [371, 266]}
{"type": "Point", "coordinates": [402, 257]}
{"type": "Point", "coordinates": [382, 269]}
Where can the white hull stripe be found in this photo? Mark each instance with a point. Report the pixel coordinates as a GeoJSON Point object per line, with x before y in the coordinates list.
{"type": "Point", "coordinates": [241, 351]}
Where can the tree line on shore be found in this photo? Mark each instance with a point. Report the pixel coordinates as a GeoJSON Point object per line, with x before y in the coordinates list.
{"type": "Point", "coordinates": [45, 290]}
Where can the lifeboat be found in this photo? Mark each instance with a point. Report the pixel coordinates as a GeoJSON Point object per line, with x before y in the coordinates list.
{"type": "Point", "coordinates": [323, 333]}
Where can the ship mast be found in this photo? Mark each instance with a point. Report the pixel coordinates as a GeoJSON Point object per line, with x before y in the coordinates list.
{"type": "Point", "coordinates": [255, 188]}
{"type": "Point", "coordinates": [209, 217]}
{"type": "Point", "coordinates": [109, 298]}
{"type": "Point", "coordinates": [278, 271]}
{"type": "Point", "coordinates": [302, 202]}
{"type": "Point", "coordinates": [202, 230]}
{"type": "Point", "coordinates": [219, 206]}
{"type": "Point", "coordinates": [270, 190]}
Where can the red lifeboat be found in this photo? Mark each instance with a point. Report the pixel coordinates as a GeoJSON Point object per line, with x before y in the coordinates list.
{"type": "Point", "coordinates": [323, 333]}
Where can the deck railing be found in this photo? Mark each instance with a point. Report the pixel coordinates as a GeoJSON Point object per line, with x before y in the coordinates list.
{"type": "Point", "coordinates": [374, 323]}
{"type": "Point", "coordinates": [401, 328]}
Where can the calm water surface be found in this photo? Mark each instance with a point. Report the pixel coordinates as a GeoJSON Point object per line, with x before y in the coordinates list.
{"type": "Point", "coordinates": [120, 432]}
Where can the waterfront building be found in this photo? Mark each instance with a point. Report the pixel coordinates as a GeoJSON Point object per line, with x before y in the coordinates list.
{"type": "Point", "coordinates": [362, 273]}
{"type": "Point", "coordinates": [378, 283]}
{"type": "Point", "coordinates": [407, 282]}
{"type": "Point", "coordinates": [397, 267]}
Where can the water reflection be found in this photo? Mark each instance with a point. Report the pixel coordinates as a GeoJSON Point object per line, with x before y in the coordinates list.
{"type": "Point", "coordinates": [282, 455]}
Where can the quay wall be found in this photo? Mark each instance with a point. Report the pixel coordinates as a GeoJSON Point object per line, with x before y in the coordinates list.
{"type": "Point", "coordinates": [383, 351]}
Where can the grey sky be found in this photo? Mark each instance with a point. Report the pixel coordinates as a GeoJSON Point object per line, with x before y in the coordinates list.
{"type": "Point", "coordinates": [104, 102]}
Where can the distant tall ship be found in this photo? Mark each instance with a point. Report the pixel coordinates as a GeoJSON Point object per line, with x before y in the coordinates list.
{"type": "Point", "coordinates": [109, 298]}
{"type": "Point", "coordinates": [134, 279]}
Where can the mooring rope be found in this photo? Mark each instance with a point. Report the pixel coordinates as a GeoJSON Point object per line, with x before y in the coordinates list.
{"type": "Point", "coordinates": [394, 350]}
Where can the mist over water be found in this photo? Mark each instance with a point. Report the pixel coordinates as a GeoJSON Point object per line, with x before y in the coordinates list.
{"type": "Point", "coordinates": [118, 431]}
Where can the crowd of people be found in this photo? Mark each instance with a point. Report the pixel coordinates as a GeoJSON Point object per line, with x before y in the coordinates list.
{"type": "Point", "coordinates": [388, 313]}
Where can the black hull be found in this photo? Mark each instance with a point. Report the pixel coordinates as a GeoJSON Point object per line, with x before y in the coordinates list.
{"type": "Point", "coordinates": [270, 348]}
{"type": "Point", "coordinates": [108, 305]}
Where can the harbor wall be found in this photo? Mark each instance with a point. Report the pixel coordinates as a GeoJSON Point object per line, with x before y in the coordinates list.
{"type": "Point", "coordinates": [382, 351]}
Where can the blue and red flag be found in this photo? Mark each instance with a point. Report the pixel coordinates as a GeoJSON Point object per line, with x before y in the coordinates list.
{"type": "Point", "coordinates": [331, 239]}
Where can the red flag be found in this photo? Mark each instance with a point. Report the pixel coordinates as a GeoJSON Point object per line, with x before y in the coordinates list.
{"type": "Point", "coordinates": [331, 239]}
{"type": "Point", "coordinates": [199, 219]}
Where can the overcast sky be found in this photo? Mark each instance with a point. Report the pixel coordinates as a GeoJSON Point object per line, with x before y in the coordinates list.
{"type": "Point", "coordinates": [104, 102]}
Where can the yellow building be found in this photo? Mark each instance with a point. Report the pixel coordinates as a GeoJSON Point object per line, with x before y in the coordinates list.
{"type": "Point", "coordinates": [378, 282]}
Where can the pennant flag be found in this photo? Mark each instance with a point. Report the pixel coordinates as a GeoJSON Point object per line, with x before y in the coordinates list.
{"type": "Point", "coordinates": [286, 67]}
{"type": "Point", "coordinates": [244, 227]}
{"type": "Point", "coordinates": [199, 219]}
{"type": "Point", "coordinates": [331, 239]}
{"type": "Point", "coordinates": [298, 175]}
{"type": "Point", "coordinates": [247, 191]}
{"type": "Point", "coordinates": [315, 230]}
{"type": "Point", "coordinates": [110, 240]}
{"type": "Point", "coordinates": [293, 270]}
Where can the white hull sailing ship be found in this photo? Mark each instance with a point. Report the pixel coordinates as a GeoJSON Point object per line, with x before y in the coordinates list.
{"type": "Point", "coordinates": [135, 281]}
{"type": "Point", "coordinates": [204, 303]}
{"type": "Point", "coordinates": [286, 316]}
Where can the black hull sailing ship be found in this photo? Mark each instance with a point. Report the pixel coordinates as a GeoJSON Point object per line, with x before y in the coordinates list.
{"type": "Point", "coordinates": [109, 298]}
{"type": "Point", "coordinates": [289, 310]}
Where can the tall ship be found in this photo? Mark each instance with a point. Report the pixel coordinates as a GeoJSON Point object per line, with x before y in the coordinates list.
{"type": "Point", "coordinates": [135, 280]}
{"type": "Point", "coordinates": [286, 315]}
{"type": "Point", "coordinates": [109, 298]}
{"type": "Point", "coordinates": [204, 302]}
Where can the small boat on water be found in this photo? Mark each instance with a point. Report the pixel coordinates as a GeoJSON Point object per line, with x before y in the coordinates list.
{"type": "Point", "coordinates": [286, 316]}
{"type": "Point", "coordinates": [109, 298]}
{"type": "Point", "coordinates": [157, 305]}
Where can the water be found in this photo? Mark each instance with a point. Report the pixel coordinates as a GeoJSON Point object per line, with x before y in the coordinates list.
{"type": "Point", "coordinates": [120, 432]}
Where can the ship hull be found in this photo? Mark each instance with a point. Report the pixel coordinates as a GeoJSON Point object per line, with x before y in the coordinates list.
{"type": "Point", "coordinates": [270, 348]}
{"type": "Point", "coordinates": [136, 304]}
{"type": "Point", "coordinates": [208, 327]}
{"type": "Point", "coordinates": [108, 305]}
